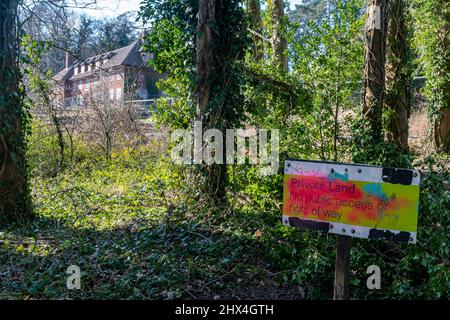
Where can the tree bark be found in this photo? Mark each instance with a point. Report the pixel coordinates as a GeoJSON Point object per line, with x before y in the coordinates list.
{"type": "Point", "coordinates": [213, 176]}
{"type": "Point", "coordinates": [15, 203]}
{"type": "Point", "coordinates": [397, 75]}
{"type": "Point", "coordinates": [374, 65]}
{"type": "Point", "coordinates": [279, 42]}
{"type": "Point", "coordinates": [442, 119]}
{"type": "Point", "coordinates": [442, 126]}
{"type": "Point", "coordinates": [205, 54]}
{"type": "Point", "coordinates": [254, 12]}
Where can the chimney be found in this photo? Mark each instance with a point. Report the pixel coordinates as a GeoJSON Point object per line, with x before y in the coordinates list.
{"type": "Point", "coordinates": [69, 60]}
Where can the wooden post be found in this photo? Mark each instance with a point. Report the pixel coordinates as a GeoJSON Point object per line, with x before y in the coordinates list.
{"type": "Point", "coordinates": [341, 275]}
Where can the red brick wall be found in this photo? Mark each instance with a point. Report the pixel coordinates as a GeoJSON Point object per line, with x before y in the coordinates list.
{"type": "Point", "coordinates": [145, 79]}
{"type": "Point", "coordinates": [95, 83]}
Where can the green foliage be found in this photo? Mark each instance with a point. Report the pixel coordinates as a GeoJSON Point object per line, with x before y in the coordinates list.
{"type": "Point", "coordinates": [309, 11]}
{"type": "Point", "coordinates": [363, 148]}
{"type": "Point", "coordinates": [38, 81]}
{"type": "Point", "coordinates": [43, 152]}
{"type": "Point", "coordinates": [431, 38]}
{"type": "Point", "coordinates": [172, 40]}
{"type": "Point", "coordinates": [326, 67]}
{"type": "Point", "coordinates": [399, 53]}
{"type": "Point", "coordinates": [275, 100]}
{"type": "Point", "coordinates": [41, 89]}
{"type": "Point", "coordinates": [329, 60]}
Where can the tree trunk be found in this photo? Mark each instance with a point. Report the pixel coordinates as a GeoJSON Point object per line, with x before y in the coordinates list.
{"type": "Point", "coordinates": [254, 12]}
{"type": "Point", "coordinates": [442, 119]}
{"type": "Point", "coordinates": [397, 75]}
{"type": "Point", "coordinates": [442, 126]}
{"type": "Point", "coordinates": [61, 144]}
{"type": "Point", "coordinates": [212, 177]}
{"type": "Point", "coordinates": [15, 203]}
{"type": "Point", "coordinates": [374, 65]}
{"type": "Point", "coordinates": [279, 42]}
{"type": "Point", "coordinates": [43, 91]}
{"type": "Point", "coordinates": [205, 54]}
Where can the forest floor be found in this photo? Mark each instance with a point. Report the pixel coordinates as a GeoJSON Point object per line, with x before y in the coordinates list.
{"type": "Point", "coordinates": [136, 258]}
{"type": "Point", "coordinates": [114, 221]}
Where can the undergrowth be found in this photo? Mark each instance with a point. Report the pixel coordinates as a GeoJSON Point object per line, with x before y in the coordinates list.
{"type": "Point", "coordinates": [137, 230]}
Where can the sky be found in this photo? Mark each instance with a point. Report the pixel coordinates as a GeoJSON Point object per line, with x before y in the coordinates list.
{"type": "Point", "coordinates": [113, 8]}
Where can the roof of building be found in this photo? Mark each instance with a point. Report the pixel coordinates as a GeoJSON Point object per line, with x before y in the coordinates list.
{"type": "Point", "coordinates": [131, 55]}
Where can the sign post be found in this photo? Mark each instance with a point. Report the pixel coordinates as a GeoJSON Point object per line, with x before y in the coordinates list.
{"type": "Point", "coordinates": [350, 200]}
{"type": "Point", "coordinates": [341, 273]}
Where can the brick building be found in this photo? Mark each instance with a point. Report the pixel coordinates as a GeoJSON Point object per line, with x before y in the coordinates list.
{"type": "Point", "coordinates": [119, 75]}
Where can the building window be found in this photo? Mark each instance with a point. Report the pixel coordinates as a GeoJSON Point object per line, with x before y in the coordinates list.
{"type": "Point", "coordinates": [118, 93]}
{"type": "Point", "coordinates": [80, 84]}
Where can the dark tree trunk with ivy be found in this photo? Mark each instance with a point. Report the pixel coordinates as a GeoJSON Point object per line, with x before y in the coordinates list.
{"type": "Point", "coordinates": [205, 53]}
{"type": "Point", "coordinates": [254, 13]}
{"type": "Point", "coordinates": [374, 64]}
{"type": "Point", "coordinates": [397, 75]}
{"type": "Point", "coordinates": [441, 125]}
{"type": "Point", "coordinates": [220, 44]}
{"type": "Point", "coordinates": [14, 193]}
{"type": "Point", "coordinates": [212, 176]}
{"type": "Point", "coordinates": [279, 42]}
{"type": "Point", "coordinates": [432, 41]}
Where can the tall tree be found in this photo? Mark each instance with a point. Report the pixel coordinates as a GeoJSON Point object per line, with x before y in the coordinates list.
{"type": "Point", "coordinates": [55, 24]}
{"type": "Point", "coordinates": [84, 35]}
{"type": "Point", "coordinates": [214, 175]}
{"type": "Point", "coordinates": [308, 11]}
{"type": "Point", "coordinates": [14, 193]}
{"type": "Point", "coordinates": [374, 64]}
{"type": "Point", "coordinates": [200, 45]}
{"type": "Point", "coordinates": [254, 13]}
{"type": "Point", "coordinates": [205, 54]}
{"type": "Point", "coordinates": [219, 47]}
{"type": "Point", "coordinates": [397, 75]}
{"type": "Point", "coordinates": [115, 33]}
{"type": "Point", "coordinates": [432, 41]}
{"type": "Point", "coordinates": [279, 42]}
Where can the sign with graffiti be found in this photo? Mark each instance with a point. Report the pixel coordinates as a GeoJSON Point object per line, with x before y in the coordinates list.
{"type": "Point", "coordinates": [355, 200]}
